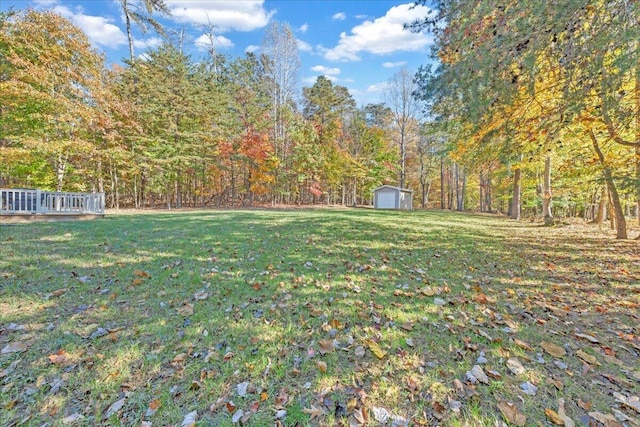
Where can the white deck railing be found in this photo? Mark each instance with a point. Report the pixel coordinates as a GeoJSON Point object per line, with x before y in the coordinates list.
{"type": "Point", "coordinates": [30, 201]}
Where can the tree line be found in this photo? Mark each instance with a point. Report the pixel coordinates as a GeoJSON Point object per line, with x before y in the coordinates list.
{"type": "Point", "coordinates": [524, 89]}
{"type": "Point", "coordinates": [518, 92]}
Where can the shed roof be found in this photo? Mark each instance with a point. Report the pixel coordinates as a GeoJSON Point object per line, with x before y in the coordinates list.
{"type": "Point", "coordinates": [406, 190]}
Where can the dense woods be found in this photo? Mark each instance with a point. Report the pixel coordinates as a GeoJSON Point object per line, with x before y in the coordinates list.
{"type": "Point", "coordinates": [531, 109]}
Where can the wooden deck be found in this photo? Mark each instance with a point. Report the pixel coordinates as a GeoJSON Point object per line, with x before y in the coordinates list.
{"type": "Point", "coordinates": [27, 205]}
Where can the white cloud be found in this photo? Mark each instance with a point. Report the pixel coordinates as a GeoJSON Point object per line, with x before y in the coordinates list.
{"type": "Point", "coordinates": [378, 87]}
{"type": "Point", "coordinates": [225, 15]}
{"type": "Point", "coordinates": [340, 16]}
{"type": "Point", "coordinates": [383, 35]}
{"type": "Point", "coordinates": [394, 64]}
{"type": "Point", "coordinates": [45, 3]}
{"type": "Point", "coordinates": [252, 48]}
{"type": "Point", "coordinates": [325, 70]}
{"type": "Point", "coordinates": [304, 27]}
{"type": "Point", "coordinates": [149, 43]}
{"type": "Point", "coordinates": [304, 46]}
{"type": "Point", "coordinates": [219, 42]}
{"type": "Point", "coordinates": [98, 28]}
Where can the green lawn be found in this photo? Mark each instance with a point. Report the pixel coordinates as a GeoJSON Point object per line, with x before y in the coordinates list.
{"type": "Point", "coordinates": [316, 317]}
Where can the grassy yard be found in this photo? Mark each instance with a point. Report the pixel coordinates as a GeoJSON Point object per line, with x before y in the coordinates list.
{"type": "Point", "coordinates": [317, 317]}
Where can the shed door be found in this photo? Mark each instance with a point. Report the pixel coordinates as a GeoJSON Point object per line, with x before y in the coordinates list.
{"type": "Point", "coordinates": [386, 200]}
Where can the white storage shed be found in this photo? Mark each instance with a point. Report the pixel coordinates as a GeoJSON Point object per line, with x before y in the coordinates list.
{"type": "Point", "coordinates": [389, 197]}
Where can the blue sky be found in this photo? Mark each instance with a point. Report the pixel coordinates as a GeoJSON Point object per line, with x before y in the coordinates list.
{"type": "Point", "coordinates": [356, 43]}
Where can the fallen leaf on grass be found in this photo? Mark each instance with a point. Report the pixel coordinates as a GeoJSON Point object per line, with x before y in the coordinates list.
{"type": "Point", "coordinates": [515, 366]}
{"type": "Point", "coordinates": [407, 326]}
{"type": "Point", "coordinates": [375, 348]}
{"type": "Point", "coordinates": [587, 358]}
{"type": "Point", "coordinates": [57, 293]}
{"type": "Point", "coordinates": [589, 338]}
{"type": "Point", "coordinates": [190, 419]}
{"type": "Point", "coordinates": [360, 415]}
{"type": "Point", "coordinates": [141, 273]}
{"type": "Point", "coordinates": [360, 351]}
{"type": "Point", "coordinates": [9, 369]}
{"type": "Point", "coordinates": [200, 295]}
{"type": "Point", "coordinates": [14, 347]}
{"type": "Point", "coordinates": [322, 366]}
{"type": "Point", "coordinates": [607, 419]}
{"type": "Point", "coordinates": [553, 349]}
{"type": "Point", "coordinates": [553, 417]}
{"type": "Point", "coordinates": [326, 346]}
{"type": "Point", "coordinates": [314, 411]}
{"type": "Point", "coordinates": [381, 415]}
{"type": "Point", "coordinates": [523, 345]}
{"type": "Point", "coordinates": [528, 388]}
{"type": "Point", "coordinates": [114, 408]}
{"type": "Point", "coordinates": [154, 405]}
{"type": "Point", "coordinates": [477, 373]}
{"type": "Point", "coordinates": [58, 358]}
{"type": "Point", "coordinates": [242, 388]}
{"type": "Point", "coordinates": [237, 416]}
{"type": "Point", "coordinates": [632, 401]}
{"type": "Point", "coordinates": [186, 309]}
{"type": "Point", "coordinates": [512, 413]}
{"type": "Point", "coordinates": [75, 417]}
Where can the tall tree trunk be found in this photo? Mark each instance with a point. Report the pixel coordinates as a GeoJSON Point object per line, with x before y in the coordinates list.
{"type": "Point", "coordinates": [638, 175]}
{"type": "Point", "coordinates": [61, 167]}
{"type": "Point", "coordinates": [601, 214]}
{"type": "Point", "coordinates": [546, 192]}
{"type": "Point", "coordinates": [621, 223]}
{"type": "Point", "coordinates": [441, 182]}
{"type": "Point", "coordinates": [463, 195]}
{"type": "Point", "coordinates": [100, 177]}
{"type": "Point", "coordinates": [456, 183]}
{"type": "Point", "coordinates": [515, 200]}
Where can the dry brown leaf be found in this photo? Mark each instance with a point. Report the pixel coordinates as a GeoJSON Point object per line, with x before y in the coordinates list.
{"type": "Point", "coordinates": [314, 411]}
{"type": "Point", "coordinates": [587, 358]}
{"type": "Point", "coordinates": [154, 405]}
{"type": "Point", "coordinates": [553, 417]}
{"type": "Point", "coordinates": [553, 349]}
{"type": "Point", "coordinates": [115, 407]}
{"type": "Point", "coordinates": [523, 345]}
{"type": "Point", "coordinates": [631, 401]}
{"type": "Point", "coordinates": [407, 326]}
{"type": "Point", "coordinates": [179, 358]}
{"type": "Point", "coordinates": [282, 398]}
{"type": "Point", "coordinates": [326, 346]}
{"type": "Point", "coordinates": [584, 405]}
{"type": "Point", "coordinates": [141, 273]}
{"type": "Point", "coordinates": [231, 407]}
{"type": "Point", "coordinates": [14, 347]}
{"type": "Point", "coordinates": [607, 419]}
{"type": "Point", "coordinates": [58, 293]}
{"type": "Point", "coordinates": [322, 366]}
{"type": "Point", "coordinates": [186, 309]}
{"type": "Point", "coordinates": [512, 413]}
{"type": "Point", "coordinates": [360, 415]}
{"type": "Point", "coordinates": [336, 324]}
{"type": "Point", "coordinates": [58, 358]}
